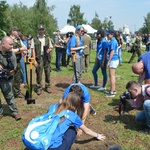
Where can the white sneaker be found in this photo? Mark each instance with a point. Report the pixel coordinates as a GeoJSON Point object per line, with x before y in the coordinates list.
{"type": "Point", "coordinates": [102, 88]}
{"type": "Point", "coordinates": [94, 86]}
{"type": "Point", "coordinates": [107, 92]}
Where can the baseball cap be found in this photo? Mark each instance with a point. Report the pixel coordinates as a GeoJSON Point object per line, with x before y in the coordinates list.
{"type": "Point", "coordinates": [78, 27]}
{"type": "Point", "coordinates": [110, 31]}
{"type": "Point", "coordinates": [41, 27]}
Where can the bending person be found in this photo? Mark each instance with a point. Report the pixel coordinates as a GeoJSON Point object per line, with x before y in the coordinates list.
{"type": "Point", "coordinates": [65, 133]}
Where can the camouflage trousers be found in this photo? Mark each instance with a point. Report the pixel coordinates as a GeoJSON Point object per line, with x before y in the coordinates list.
{"type": "Point", "coordinates": [138, 52]}
{"type": "Point", "coordinates": [44, 64]}
{"type": "Point", "coordinates": [16, 80]}
{"type": "Point", "coordinates": [6, 88]}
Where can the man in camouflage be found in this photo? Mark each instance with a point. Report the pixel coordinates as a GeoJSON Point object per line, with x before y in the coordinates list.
{"type": "Point", "coordinates": [41, 48]}
{"type": "Point", "coordinates": [136, 47]}
{"type": "Point", "coordinates": [18, 48]}
{"type": "Point", "coordinates": [7, 66]}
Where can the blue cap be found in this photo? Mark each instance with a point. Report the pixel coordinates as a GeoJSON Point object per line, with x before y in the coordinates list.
{"type": "Point", "coordinates": [110, 31]}
{"type": "Point", "coordinates": [78, 27]}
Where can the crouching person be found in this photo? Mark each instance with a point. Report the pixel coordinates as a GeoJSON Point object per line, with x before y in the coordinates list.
{"type": "Point", "coordinates": [140, 97]}
{"type": "Point", "coordinates": [66, 131]}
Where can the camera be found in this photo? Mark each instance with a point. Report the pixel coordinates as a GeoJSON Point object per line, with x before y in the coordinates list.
{"type": "Point", "coordinates": [122, 104]}
{"type": "Point", "coordinates": [4, 74]}
{"type": "Point", "coordinates": [69, 34]}
{"type": "Point", "coordinates": [125, 95]}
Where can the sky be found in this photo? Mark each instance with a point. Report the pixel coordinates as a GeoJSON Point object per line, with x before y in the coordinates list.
{"type": "Point", "coordinates": [122, 12]}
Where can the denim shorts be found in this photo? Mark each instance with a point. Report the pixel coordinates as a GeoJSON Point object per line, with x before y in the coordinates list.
{"type": "Point", "coordinates": [114, 64]}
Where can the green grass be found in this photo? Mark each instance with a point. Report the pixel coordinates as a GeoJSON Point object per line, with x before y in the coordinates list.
{"type": "Point", "coordinates": [118, 130]}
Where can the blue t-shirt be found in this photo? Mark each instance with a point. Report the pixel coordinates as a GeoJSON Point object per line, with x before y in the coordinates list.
{"type": "Point", "coordinates": [101, 47]}
{"type": "Point", "coordinates": [70, 119]}
{"type": "Point", "coordinates": [146, 61]}
{"type": "Point", "coordinates": [85, 96]}
{"type": "Point", "coordinates": [73, 42]}
{"type": "Point", "coordinates": [113, 45]}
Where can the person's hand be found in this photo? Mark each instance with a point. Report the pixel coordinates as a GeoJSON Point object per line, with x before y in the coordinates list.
{"type": "Point", "coordinates": [101, 137]}
{"type": "Point", "coordinates": [35, 63]}
{"type": "Point", "coordinates": [108, 64]}
{"type": "Point", "coordinates": [1, 68]}
{"type": "Point", "coordinates": [49, 50]}
{"type": "Point", "coordinates": [15, 50]}
{"type": "Point", "coordinates": [85, 46]}
{"type": "Point", "coordinates": [79, 132]}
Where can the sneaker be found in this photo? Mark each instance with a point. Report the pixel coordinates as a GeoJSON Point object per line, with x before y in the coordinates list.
{"type": "Point", "coordinates": [107, 92]}
{"type": "Point", "coordinates": [39, 91]}
{"type": "Point", "coordinates": [110, 95]}
{"type": "Point", "coordinates": [94, 86]}
{"type": "Point", "coordinates": [102, 88]}
{"type": "Point", "coordinates": [92, 110]}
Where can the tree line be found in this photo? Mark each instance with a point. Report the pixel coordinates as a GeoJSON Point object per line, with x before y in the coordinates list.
{"type": "Point", "coordinates": [27, 19]}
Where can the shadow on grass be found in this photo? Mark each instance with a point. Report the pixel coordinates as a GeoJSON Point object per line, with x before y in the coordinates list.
{"type": "Point", "coordinates": [85, 141]}
{"type": "Point", "coordinates": [62, 85]}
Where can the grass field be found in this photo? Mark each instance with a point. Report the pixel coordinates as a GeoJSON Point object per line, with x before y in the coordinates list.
{"type": "Point", "coordinates": [118, 130]}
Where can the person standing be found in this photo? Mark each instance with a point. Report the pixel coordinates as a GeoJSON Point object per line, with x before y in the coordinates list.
{"type": "Point", "coordinates": [18, 48]}
{"type": "Point", "coordinates": [58, 43]}
{"type": "Point", "coordinates": [8, 63]}
{"type": "Point", "coordinates": [76, 45]}
{"type": "Point", "coordinates": [113, 61]}
{"type": "Point", "coordinates": [127, 41]}
{"type": "Point", "coordinates": [41, 47]}
{"type": "Point", "coordinates": [101, 60]}
{"type": "Point", "coordinates": [148, 43]}
{"type": "Point", "coordinates": [136, 47]}
{"type": "Point", "coordinates": [119, 40]}
{"type": "Point", "coordinates": [86, 59]}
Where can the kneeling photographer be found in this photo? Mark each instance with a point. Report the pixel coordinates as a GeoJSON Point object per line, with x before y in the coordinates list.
{"type": "Point", "coordinates": [140, 96]}
{"type": "Point", "coordinates": [7, 65]}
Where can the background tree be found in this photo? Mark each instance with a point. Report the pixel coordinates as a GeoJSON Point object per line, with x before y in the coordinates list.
{"type": "Point", "coordinates": [107, 24]}
{"type": "Point", "coordinates": [42, 15]}
{"type": "Point", "coordinates": [146, 25]}
{"type": "Point", "coordinates": [75, 16]}
{"type": "Point", "coordinates": [96, 23]}
{"type": "Point", "coordinates": [28, 19]}
{"type": "Point", "coordinates": [3, 7]}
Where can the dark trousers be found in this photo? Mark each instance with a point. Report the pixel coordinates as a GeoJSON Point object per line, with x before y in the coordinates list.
{"type": "Point", "coordinates": [63, 61]}
{"type": "Point", "coordinates": [138, 52]}
{"type": "Point", "coordinates": [16, 80]}
{"type": "Point", "coordinates": [68, 140]}
{"type": "Point", "coordinates": [58, 58]}
{"type": "Point", "coordinates": [43, 64]}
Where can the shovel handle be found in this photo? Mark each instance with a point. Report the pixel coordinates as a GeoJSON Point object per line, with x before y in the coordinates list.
{"type": "Point", "coordinates": [31, 61]}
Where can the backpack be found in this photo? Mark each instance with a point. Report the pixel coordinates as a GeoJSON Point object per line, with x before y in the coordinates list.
{"type": "Point", "coordinates": [39, 132]}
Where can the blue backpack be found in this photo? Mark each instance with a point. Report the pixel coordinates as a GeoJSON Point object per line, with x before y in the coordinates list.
{"type": "Point", "coordinates": [39, 132]}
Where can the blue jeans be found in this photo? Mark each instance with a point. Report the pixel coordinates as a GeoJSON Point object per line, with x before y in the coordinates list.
{"type": "Point", "coordinates": [120, 55]}
{"type": "Point", "coordinates": [23, 70]}
{"type": "Point", "coordinates": [103, 70]}
{"type": "Point", "coordinates": [144, 115]}
{"type": "Point", "coordinates": [68, 139]}
{"type": "Point", "coordinates": [148, 48]}
{"type": "Point", "coordinates": [58, 58]}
